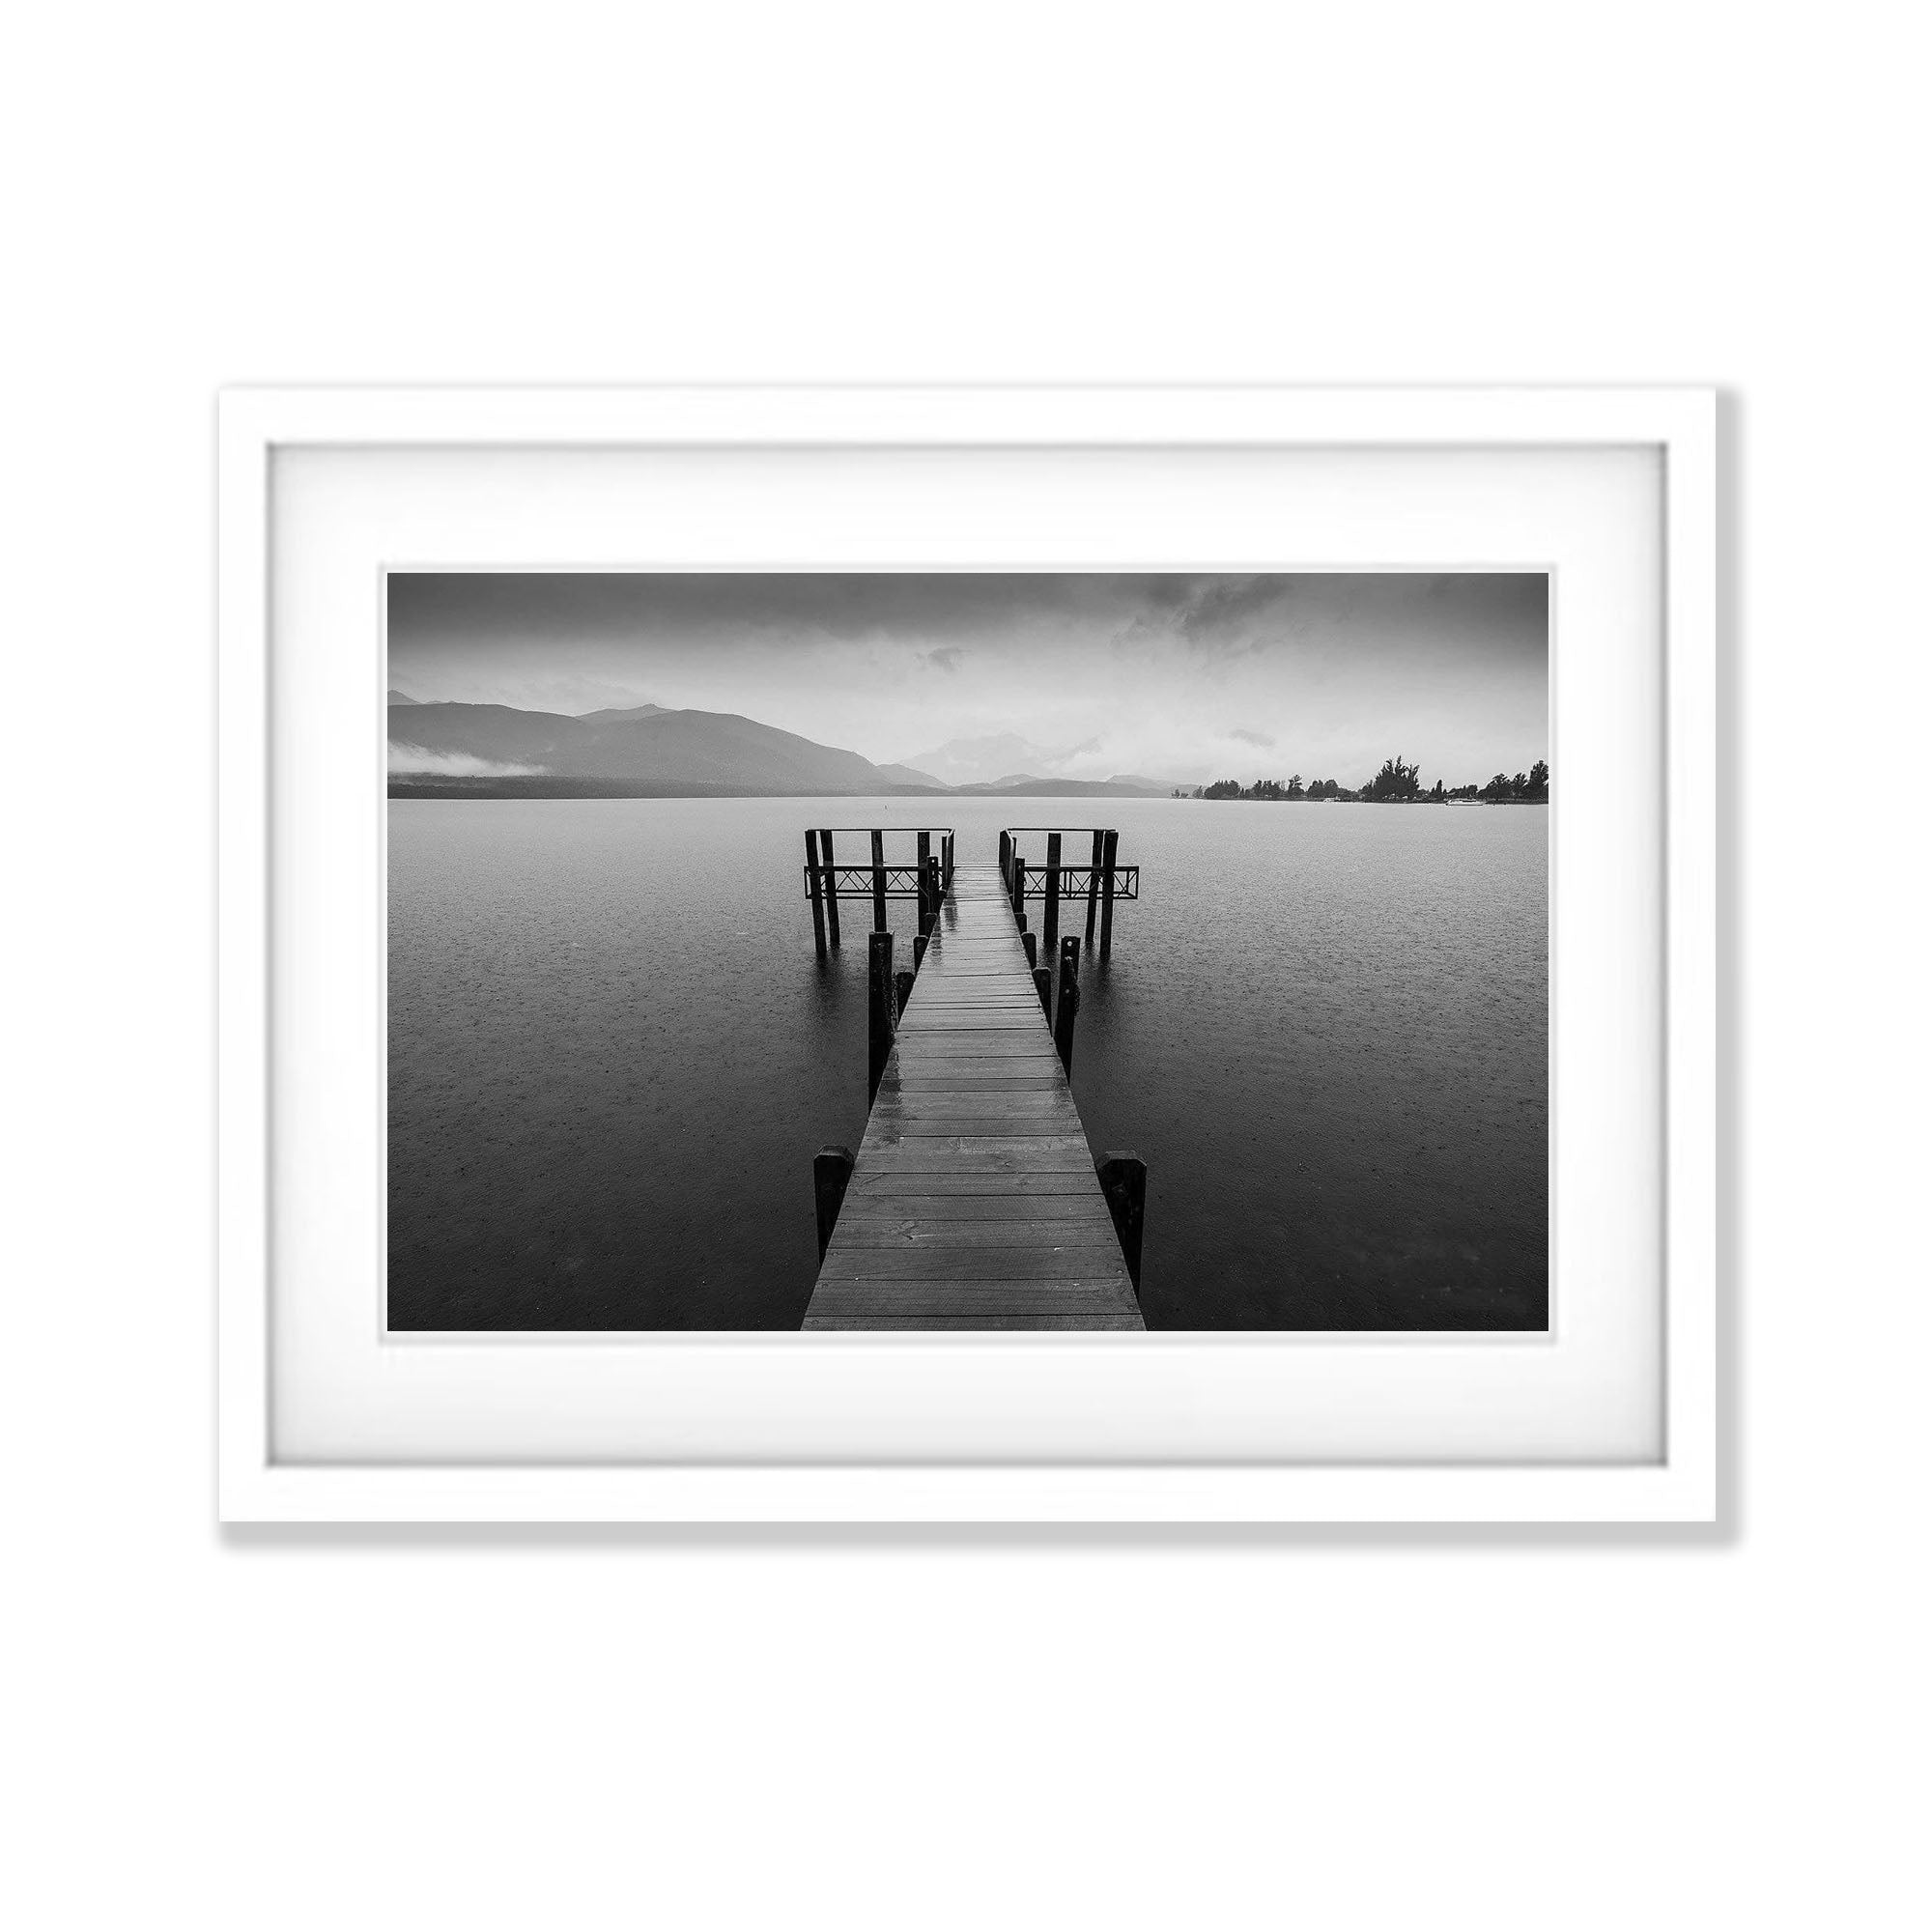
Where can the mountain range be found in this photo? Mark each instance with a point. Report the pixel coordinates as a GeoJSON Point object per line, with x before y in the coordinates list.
{"type": "Point", "coordinates": [648, 750]}
{"type": "Point", "coordinates": [1006, 761]}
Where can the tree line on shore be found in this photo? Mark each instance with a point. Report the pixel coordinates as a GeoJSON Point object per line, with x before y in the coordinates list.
{"type": "Point", "coordinates": [1396, 784]}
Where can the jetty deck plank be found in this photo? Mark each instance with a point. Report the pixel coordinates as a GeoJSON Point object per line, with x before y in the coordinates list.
{"type": "Point", "coordinates": [973, 1203]}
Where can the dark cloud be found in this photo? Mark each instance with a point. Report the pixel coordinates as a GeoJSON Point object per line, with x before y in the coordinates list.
{"type": "Point", "coordinates": [492, 607]}
{"type": "Point", "coordinates": [1223, 607]}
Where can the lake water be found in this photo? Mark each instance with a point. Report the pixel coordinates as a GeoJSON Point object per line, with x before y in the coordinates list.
{"type": "Point", "coordinates": [612, 1055]}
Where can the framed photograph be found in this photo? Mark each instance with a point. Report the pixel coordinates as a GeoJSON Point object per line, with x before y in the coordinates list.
{"type": "Point", "coordinates": [968, 954]}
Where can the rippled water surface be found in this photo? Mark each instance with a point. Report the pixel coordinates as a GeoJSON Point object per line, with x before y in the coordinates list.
{"type": "Point", "coordinates": [612, 1055]}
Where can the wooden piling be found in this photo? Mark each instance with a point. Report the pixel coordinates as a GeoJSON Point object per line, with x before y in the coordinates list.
{"type": "Point", "coordinates": [817, 893]}
{"type": "Point", "coordinates": [928, 911]}
{"type": "Point", "coordinates": [831, 1170]}
{"type": "Point", "coordinates": [950, 837]}
{"type": "Point", "coordinates": [935, 891]}
{"type": "Point", "coordinates": [830, 885]}
{"type": "Point", "coordinates": [1068, 1011]}
{"type": "Point", "coordinates": [1109, 852]}
{"type": "Point", "coordinates": [1032, 948]}
{"type": "Point", "coordinates": [1043, 984]}
{"type": "Point", "coordinates": [1050, 923]}
{"type": "Point", "coordinates": [879, 1012]}
{"type": "Point", "coordinates": [878, 880]}
{"type": "Point", "coordinates": [1123, 1175]}
{"type": "Point", "coordinates": [1068, 1003]}
{"type": "Point", "coordinates": [1067, 1006]}
{"type": "Point", "coordinates": [903, 991]}
{"type": "Point", "coordinates": [1093, 888]}
{"type": "Point", "coordinates": [921, 941]}
{"type": "Point", "coordinates": [1019, 892]}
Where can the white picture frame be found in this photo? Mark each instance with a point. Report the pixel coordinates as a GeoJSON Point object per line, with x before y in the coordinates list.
{"type": "Point", "coordinates": [572, 1474]}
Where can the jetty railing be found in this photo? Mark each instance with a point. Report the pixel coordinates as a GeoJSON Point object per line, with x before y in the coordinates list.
{"type": "Point", "coordinates": [1102, 881]}
{"type": "Point", "coordinates": [928, 877]}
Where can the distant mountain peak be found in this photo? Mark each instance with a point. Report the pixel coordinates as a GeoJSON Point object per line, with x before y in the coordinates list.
{"type": "Point", "coordinates": [911, 775]}
{"type": "Point", "coordinates": [615, 715]}
{"type": "Point", "coordinates": [402, 697]}
{"type": "Point", "coordinates": [994, 760]}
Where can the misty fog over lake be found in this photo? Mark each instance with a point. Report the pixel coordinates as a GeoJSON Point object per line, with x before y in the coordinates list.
{"type": "Point", "coordinates": [612, 1055]}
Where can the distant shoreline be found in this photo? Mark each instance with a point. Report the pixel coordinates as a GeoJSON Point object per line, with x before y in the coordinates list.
{"type": "Point", "coordinates": [549, 787]}
{"type": "Point", "coordinates": [1424, 799]}
{"type": "Point", "coordinates": [567, 788]}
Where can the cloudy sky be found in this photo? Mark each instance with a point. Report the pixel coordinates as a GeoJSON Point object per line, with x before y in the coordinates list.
{"type": "Point", "coordinates": [1076, 676]}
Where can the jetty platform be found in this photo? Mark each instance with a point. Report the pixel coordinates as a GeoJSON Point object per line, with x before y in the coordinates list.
{"type": "Point", "coordinates": [974, 1201]}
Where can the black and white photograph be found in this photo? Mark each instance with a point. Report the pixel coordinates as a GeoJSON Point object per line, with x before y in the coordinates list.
{"type": "Point", "coordinates": [968, 950]}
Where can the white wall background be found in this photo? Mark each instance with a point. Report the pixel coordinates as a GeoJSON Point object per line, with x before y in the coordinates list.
{"type": "Point", "coordinates": [972, 1730]}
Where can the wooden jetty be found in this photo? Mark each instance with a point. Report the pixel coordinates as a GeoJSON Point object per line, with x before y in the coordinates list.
{"type": "Point", "coordinates": [975, 1201]}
